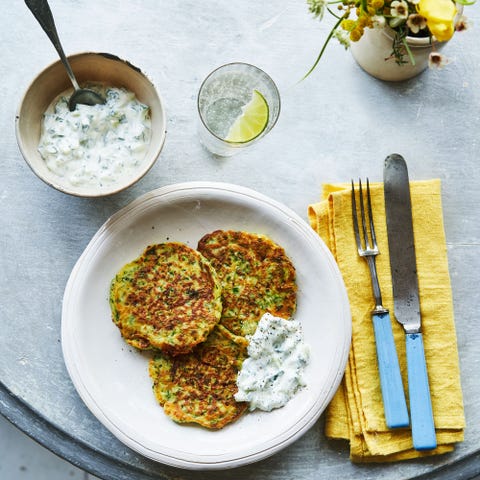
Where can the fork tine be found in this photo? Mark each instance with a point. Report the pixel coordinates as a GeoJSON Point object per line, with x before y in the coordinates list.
{"type": "Point", "coordinates": [370, 214]}
{"type": "Point", "coordinates": [355, 220]}
{"type": "Point", "coordinates": [362, 213]}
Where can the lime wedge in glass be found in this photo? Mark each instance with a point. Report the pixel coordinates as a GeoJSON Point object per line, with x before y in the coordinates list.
{"type": "Point", "coordinates": [252, 122]}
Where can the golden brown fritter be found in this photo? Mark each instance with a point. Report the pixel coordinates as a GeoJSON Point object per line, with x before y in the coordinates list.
{"type": "Point", "coordinates": [199, 387]}
{"type": "Point", "coordinates": [169, 298]}
{"type": "Point", "coordinates": [256, 277]}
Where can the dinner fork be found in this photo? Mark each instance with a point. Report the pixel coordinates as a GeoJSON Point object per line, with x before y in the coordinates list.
{"type": "Point", "coordinates": [393, 395]}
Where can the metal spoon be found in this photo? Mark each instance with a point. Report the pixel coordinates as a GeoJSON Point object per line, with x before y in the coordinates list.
{"type": "Point", "coordinates": [41, 11]}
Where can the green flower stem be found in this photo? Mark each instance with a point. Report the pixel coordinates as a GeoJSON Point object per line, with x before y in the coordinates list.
{"type": "Point", "coordinates": [332, 31]}
{"type": "Point", "coordinates": [409, 52]}
{"type": "Point", "coordinates": [331, 12]}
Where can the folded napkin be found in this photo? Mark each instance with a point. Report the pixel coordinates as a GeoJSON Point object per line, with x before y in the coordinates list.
{"type": "Point", "coordinates": [356, 411]}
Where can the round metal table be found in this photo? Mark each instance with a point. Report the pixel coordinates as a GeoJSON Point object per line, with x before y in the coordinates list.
{"type": "Point", "coordinates": [337, 124]}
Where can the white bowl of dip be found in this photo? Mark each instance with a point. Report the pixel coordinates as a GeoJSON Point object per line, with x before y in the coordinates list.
{"type": "Point", "coordinates": [98, 69]}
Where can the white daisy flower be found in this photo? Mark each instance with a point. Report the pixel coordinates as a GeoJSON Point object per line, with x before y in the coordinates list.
{"type": "Point", "coordinates": [463, 24]}
{"type": "Point", "coordinates": [416, 22]}
{"type": "Point", "coordinates": [399, 9]}
{"type": "Point", "coordinates": [437, 60]}
{"type": "Point", "coordinates": [378, 21]}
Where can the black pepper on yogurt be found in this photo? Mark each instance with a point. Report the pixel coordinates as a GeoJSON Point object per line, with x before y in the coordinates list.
{"type": "Point", "coordinates": [273, 371]}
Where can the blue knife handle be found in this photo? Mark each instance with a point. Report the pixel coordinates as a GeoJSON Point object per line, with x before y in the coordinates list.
{"type": "Point", "coordinates": [394, 404]}
{"type": "Point", "coordinates": [423, 427]}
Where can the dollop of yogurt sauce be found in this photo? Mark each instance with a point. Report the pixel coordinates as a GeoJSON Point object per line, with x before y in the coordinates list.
{"type": "Point", "coordinates": [96, 145]}
{"type": "Point", "coordinates": [273, 371]}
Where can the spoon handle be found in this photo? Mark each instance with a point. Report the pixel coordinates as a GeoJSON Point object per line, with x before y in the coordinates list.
{"type": "Point", "coordinates": [41, 11]}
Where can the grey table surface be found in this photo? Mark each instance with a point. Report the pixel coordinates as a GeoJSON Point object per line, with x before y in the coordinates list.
{"type": "Point", "coordinates": [338, 123]}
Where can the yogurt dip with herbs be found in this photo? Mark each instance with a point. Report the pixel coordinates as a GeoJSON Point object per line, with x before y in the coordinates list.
{"type": "Point", "coordinates": [96, 145]}
{"type": "Point", "coordinates": [273, 371]}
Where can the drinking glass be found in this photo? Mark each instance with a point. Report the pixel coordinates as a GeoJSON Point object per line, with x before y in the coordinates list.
{"type": "Point", "coordinates": [220, 100]}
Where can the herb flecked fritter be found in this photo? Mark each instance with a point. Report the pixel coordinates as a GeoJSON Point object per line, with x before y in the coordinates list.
{"type": "Point", "coordinates": [169, 298]}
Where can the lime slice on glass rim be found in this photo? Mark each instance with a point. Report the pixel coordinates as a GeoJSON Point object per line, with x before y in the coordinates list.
{"type": "Point", "coordinates": [252, 122]}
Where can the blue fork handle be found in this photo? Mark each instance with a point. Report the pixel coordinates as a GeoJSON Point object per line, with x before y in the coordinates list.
{"type": "Point", "coordinates": [393, 394]}
{"type": "Point", "coordinates": [423, 427]}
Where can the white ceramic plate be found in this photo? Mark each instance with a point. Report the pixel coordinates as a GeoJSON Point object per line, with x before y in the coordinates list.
{"type": "Point", "coordinates": [112, 378]}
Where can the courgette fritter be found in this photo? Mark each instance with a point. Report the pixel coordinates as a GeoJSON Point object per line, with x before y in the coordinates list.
{"type": "Point", "coordinates": [199, 387]}
{"type": "Point", "coordinates": [169, 298]}
{"type": "Point", "coordinates": [256, 277]}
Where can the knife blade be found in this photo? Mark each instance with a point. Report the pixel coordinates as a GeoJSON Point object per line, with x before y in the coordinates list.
{"type": "Point", "coordinates": [403, 266]}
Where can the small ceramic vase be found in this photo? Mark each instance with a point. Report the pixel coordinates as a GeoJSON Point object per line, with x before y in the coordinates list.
{"type": "Point", "coordinates": [373, 53]}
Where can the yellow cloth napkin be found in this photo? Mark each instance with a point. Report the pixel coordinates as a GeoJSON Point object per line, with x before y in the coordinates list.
{"type": "Point", "coordinates": [356, 411]}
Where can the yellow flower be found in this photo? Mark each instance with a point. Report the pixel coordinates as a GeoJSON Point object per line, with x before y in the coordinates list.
{"type": "Point", "coordinates": [440, 15]}
{"type": "Point", "coordinates": [377, 4]}
{"type": "Point", "coordinates": [348, 25]}
{"type": "Point", "coordinates": [356, 35]}
{"type": "Point", "coordinates": [362, 21]}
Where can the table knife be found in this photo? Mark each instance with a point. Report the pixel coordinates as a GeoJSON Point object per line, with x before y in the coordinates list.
{"type": "Point", "coordinates": [406, 298]}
